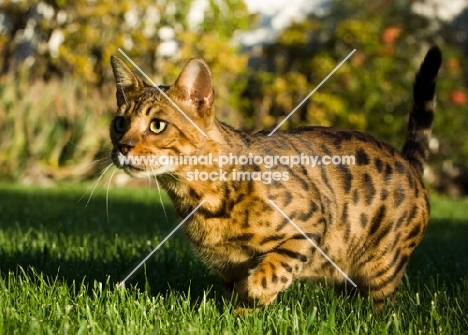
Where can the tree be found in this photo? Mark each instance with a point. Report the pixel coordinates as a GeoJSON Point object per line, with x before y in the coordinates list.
{"type": "Point", "coordinates": [373, 90]}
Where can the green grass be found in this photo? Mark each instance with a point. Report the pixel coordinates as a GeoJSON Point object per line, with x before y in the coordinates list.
{"type": "Point", "coordinates": [60, 261]}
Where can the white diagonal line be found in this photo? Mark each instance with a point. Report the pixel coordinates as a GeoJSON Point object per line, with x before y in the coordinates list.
{"type": "Point", "coordinates": [160, 244]}
{"type": "Point", "coordinates": [162, 92]}
{"type": "Point", "coordinates": [313, 243]}
{"type": "Point", "coordinates": [310, 94]}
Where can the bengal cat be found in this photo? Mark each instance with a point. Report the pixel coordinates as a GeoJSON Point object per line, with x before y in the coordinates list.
{"type": "Point", "coordinates": [367, 217]}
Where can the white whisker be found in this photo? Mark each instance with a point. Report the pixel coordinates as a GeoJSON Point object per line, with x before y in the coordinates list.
{"type": "Point", "coordinates": [97, 182]}
{"type": "Point", "coordinates": [149, 177]}
{"type": "Point", "coordinates": [89, 146]}
{"type": "Point", "coordinates": [102, 172]}
{"type": "Point", "coordinates": [160, 196]}
{"type": "Point", "coordinates": [173, 175]}
{"type": "Point", "coordinates": [107, 195]}
{"type": "Point", "coordinates": [101, 160]}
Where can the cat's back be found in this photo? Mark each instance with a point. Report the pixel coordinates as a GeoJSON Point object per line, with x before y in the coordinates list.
{"type": "Point", "coordinates": [323, 140]}
{"type": "Point", "coordinates": [350, 170]}
{"type": "Point", "coordinates": [343, 152]}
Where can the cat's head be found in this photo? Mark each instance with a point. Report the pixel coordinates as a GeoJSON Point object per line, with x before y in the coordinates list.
{"type": "Point", "coordinates": [150, 124]}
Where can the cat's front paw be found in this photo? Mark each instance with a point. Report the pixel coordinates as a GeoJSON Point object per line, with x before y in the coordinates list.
{"type": "Point", "coordinates": [260, 288]}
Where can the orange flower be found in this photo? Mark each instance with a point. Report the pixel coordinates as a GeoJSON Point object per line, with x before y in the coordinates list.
{"type": "Point", "coordinates": [390, 34]}
{"type": "Point", "coordinates": [458, 97]}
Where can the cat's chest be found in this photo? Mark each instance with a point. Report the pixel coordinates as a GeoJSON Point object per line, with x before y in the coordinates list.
{"type": "Point", "coordinates": [213, 239]}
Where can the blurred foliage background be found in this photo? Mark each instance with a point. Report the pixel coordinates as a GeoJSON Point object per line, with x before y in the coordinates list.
{"type": "Point", "coordinates": [57, 90]}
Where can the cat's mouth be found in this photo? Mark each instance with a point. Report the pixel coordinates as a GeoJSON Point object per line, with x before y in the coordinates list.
{"type": "Point", "coordinates": [132, 168]}
{"type": "Point", "coordinates": [124, 163]}
{"type": "Point", "coordinates": [139, 167]}
{"type": "Point", "coordinates": [145, 172]}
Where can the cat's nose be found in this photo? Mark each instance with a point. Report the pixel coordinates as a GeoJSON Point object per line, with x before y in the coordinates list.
{"type": "Point", "coordinates": [126, 146]}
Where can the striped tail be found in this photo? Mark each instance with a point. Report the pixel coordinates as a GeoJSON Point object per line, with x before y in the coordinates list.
{"type": "Point", "coordinates": [416, 147]}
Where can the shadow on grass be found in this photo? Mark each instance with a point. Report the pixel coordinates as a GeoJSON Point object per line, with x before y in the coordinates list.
{"type": "Point", "coordinates": [443, 253]}
{"type": "Point", "coordinates": [45, 231]}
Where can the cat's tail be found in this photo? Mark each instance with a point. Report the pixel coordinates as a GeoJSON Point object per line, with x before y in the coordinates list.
{"type": "Point", "coordinates": [416, 147]}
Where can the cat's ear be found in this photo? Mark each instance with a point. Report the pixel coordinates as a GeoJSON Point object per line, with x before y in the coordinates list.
{"type": "Point", "coordinates": [126, 81]}
{"type": "Point", "coordinates": [196, 83]}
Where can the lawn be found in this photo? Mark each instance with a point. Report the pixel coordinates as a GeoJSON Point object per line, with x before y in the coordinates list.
{"type": "Point", "coordinates": [60, 261]}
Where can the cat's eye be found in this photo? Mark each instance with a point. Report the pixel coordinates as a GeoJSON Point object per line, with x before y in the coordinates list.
{"type": "Point", "coordinates": [120, 124]}
{"type": "Point", "coordinates": [157, 126]}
